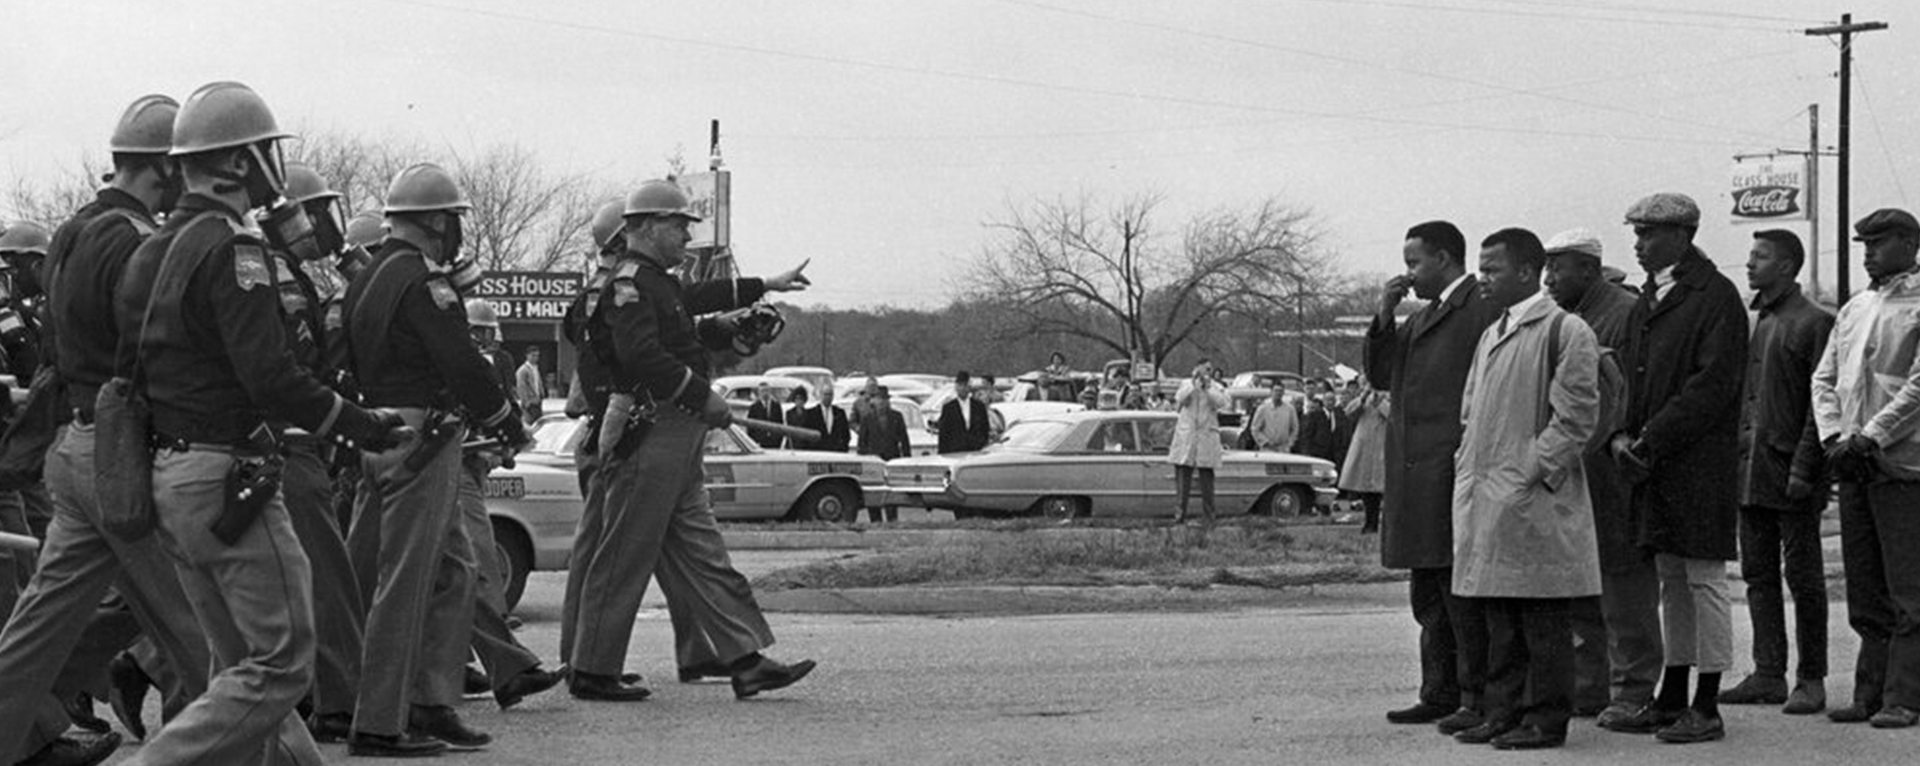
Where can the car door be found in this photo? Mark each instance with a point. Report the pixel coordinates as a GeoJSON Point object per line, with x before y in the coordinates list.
{"type": "Point", "coordinates": [737, 480]}
{"type": "Point", "coordinates": [1110, 469]}
{"type": "Point", "coordinates": [1156, 474]}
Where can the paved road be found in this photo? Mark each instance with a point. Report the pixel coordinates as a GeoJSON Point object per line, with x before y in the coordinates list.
{"type": "Point", "coordinates": [1257, 687]}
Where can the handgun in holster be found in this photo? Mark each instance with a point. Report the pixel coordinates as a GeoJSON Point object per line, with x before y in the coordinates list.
{"type": "Point", "coordinates": [439, 430]}
{"type": "Point", "coordinates": [629, 417]}
{"type": "Point", "coordinates": [252, 482]}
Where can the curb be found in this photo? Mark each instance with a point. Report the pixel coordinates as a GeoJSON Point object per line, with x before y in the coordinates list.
{"type": "Point", "coordinates": [975, 601]}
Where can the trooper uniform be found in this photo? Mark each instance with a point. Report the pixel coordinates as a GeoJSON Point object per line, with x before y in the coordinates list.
{"type": "Point", "coordinates": [657, 517]}
{"type": "Point", "coordinates": [199, 318]}
{"type": "Point", "coordinates": [512, 669]}
{"type": "Point", "coordinates": [80, 559]}
{"type": "Point", "coordinates": [307, 286]}
{"type": "Point", "coordinates": [692, 650]}
{"type": "Point", "coordinates": [407, 332]}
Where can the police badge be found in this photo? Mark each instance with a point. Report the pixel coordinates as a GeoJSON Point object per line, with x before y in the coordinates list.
{"type": "Point", "coordinates": [443, 294]}
{"type": "Point", "coordinates": [250, 266]}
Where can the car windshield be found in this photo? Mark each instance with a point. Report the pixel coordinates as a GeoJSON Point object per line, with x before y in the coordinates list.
{"type": "Point", "coordinates": [721, 441]}
{"type": "Point", "coordinates": [916, 420]}
{"type": "Point", "coordinates": [1033, 436]}
{"type": "Point", "coordinates": [553, 435]}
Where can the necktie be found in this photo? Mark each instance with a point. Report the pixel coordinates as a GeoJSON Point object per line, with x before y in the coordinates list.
{"type": "Point", "coordinates": [1651, 290]}
{"type": "Point", "coordinates": [1503, 322]}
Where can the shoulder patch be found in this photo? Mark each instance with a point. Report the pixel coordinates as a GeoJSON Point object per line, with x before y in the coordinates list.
{"type": "Point", "coordinates": [625, 292]}
{"type": "Point", "coordinates": [250, 266]}
{"type": "Point", "coordinates": [443, 294]}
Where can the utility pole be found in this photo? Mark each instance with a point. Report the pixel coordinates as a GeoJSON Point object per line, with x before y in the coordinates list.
{"type": "Point", "coordinates": [1813, 199]}
{"type": "Point", "coordinates": [1845, 30]}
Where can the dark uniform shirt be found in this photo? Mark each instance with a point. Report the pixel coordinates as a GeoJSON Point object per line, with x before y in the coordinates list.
{"type": "Point", "coordinates": [215, 355]}
{"type": "Point", "coordinates": [84, 265]}
{"type": "Point", "coordinates": [407, 331]}
{"type": "Point", "coordinates": [593, 343]}
{"type": "Point", "coordinates": [657, 346]}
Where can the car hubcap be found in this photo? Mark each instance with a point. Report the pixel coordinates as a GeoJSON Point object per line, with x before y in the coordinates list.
{"type": "Point", "coordinates": [1057, 508]}
{"type": "Point", "coordinates": [1284, 505]}
{"type": "Point", "coordinates": [830, 509]}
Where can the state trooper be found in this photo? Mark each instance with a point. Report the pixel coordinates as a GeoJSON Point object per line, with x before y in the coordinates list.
{"type": "Point", "coordinates": [198, 309]}
{"type": "Point", "coordinates": [407, 332]}
{"type": "Point", "coordinates": [593, 383]}
{"type": "Point", "coordinates": [80, 559]}
{"type": "Point", "coordinates": [305, 237]}
{"type": "Point", "coordinates": [513, 671]}
{"type": "Point", "coordinates": [657, 518]}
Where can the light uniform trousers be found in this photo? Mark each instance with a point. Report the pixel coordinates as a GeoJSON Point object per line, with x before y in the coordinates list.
{"type": "Point", "coordinates": [656, 519]}
{"type": "Point", "coordinates": [337, 607]}
{"type": "Point", "coordinates": [1696, 612]}
{"type": "Point", "coordinates": [421, 613]}
{"type": "Point", "coordinates": [500, 654]}
{"type": "Point", "coordinates": [77, 564]}
{"type": "Point", "coordinates": [691, 646]}
{"type": "Point", "coordinates": [254, 599]}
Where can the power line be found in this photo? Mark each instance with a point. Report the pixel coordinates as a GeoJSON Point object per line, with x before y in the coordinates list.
{"type": "Point", "coordinates": [1887, 154]}
{"type": "Point", "coordinates": [1000, 79]}
{"type": "Point", "coordinates": [1566, 16]}
{"type": "Point", "coordinates": [1371, 64]}
{"type": "Point", "coordinates": [1652, 9]}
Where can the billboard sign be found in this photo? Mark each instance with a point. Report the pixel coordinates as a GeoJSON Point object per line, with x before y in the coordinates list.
{"type": "Point", "coordinates": [522, 296]}
{"type": "Point", "coordinates": [1769, 189]}
{"type": "Point", "coordinates": [710, 195]}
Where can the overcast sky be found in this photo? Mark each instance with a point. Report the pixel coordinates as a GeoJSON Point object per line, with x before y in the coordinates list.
{"type": "Point", "coordinates": [876, 136]}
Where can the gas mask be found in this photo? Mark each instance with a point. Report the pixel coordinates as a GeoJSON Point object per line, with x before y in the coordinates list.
{"type": "Point", "coordinates": [325, 215]}
{"type": "Point", "coordinates": [757, 326]}
{"type": "Point", "coordinates": [263, 180]}
{"type": "Point", "coordinates": [462, 270]}
{"type": "Point", "coordinates": [288, 229]}
{"type": "Point", "coordinates": [354, 260]}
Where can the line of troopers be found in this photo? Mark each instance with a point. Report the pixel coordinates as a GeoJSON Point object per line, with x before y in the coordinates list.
{"type": "Point", "coordinates": [284, 355]}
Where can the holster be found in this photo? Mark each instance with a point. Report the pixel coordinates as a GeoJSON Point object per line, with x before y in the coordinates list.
{"type": "Point", "coordinates": [629, 417]}
{"type": "Point", "coordinates": [251, 483]}
{"type": "Point", "coordinates": [439, 431]}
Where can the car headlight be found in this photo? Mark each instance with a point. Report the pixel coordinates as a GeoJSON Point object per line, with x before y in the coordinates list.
{"type": "Point", "coordinates": [1325, 471]}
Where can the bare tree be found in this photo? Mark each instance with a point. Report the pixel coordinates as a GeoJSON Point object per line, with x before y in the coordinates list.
{"type": "Point", "coordinates": [1065, 267]}
{"type": "Point", "coordinates": [51, 203]}
{"type": "Point", "coordinates": [523, 216]}
{"type": "Point", "coordinates": [357, 166]}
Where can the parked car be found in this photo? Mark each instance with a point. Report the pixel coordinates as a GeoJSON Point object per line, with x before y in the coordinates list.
{"type": "Point", "coordinates": [1100, 463]}
{"type": "Point", "coordinates": [898, 388]}
{"type": "Point", "coordinates": [820, 378]}
{"type": "Point", "coordinates": [536, 505]}
{"type": "Point", "coordinates": [1292, 381]}
{"type": "Point", "coordinates": [739, 390]}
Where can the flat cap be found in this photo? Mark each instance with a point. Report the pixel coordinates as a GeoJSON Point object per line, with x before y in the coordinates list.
{"type": "Point", "coordinates": [1665, 208]}
{"type": "Point", "coordinates": [1885, 222]}
{"type": "Point", "coordinates": [1574, 241]}
{"type": "Point", "coordinates": [1614, 275]}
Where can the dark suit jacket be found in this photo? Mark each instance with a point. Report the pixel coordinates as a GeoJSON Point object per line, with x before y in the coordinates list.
{"type": "Point", "coordinates": [884, 434]}
{"type": "Point", "coordinates": [1778, 440]}
{"type": "Point", "coordinates": [1608, 308]}
{"type": "Point", "coordinates": [1316, 435]}
{"type": "Point", "coordinates": [1423, 362]}
{"type": "Point", "coordinates": [770, 413]}
{"type": "Point", "coordinates": [1342, 433]}
{"type": "Point", "coordinates": [836, 439]}
{"type": "Point", "coordinates": [1686, 363]}
{"type": "Point", "coordinates": [971, 435]}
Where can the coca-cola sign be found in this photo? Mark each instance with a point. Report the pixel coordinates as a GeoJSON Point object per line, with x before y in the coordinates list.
{"type": "Point", "coordinates": [1769, 188]}
{"type": "Point", "coordinates": [1766, 202]}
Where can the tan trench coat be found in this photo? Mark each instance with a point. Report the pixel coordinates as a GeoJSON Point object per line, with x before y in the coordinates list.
{"type": "Point", "coordinates": [1196, 433]}
{"type": "Point", "coordinates": [1522, 520]}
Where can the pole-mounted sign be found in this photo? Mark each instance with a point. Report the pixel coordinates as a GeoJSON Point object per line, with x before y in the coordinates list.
{"type": "Point", "coordinates": [1769, 189]}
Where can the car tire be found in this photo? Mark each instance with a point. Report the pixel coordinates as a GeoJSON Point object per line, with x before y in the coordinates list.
{"type": "Point", "coordinates": [1061, 507]}
{"type": "Point", "coordinates": [1288, 500]}
{"type": "Point", "coordinates": [828, 501]}
{"type": "Point", "coordinates": [516, 552]}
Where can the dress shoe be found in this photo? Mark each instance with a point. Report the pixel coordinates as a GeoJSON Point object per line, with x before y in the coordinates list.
{"type": "Point", "coordinates": [1486, 732]}
{"type": "Point", "coordinates": [526, 683]}
{"type": "Point", "coordinates": [389, 746]}
{"type": "Point", "coordinates": [328, 728]}
{"type": "Point", "coordinates": [1588, 710]}
{"type": "Point", "coordinates": [1857, 712]}
{"type": "Point", "coordinates": [705, 670]}
{"type": "Point", "coordinates": [80, 711]}
{"type": "Point", "coordinates": [1647, 720]}
{"type": "Point", "coordinates": [565, 672]}
{"type": "Point", "coordinates": [768, 675]}
{"type": "Point", "coordinates": [1894, 717]}
{"type": "Point", "coordinates": [475, 682]}
{"type": "Point", "coordinates": [1529, 737]}
{"type": "Point", "coordinates": [1460, 720]}
{"type": "Point", "coordinates": [1419, 713]}
{"type": "Point", "coordinates": [1693, 726]}
{"type": "Point", "coordinates": [1614, 714]}
{"type": "Point", "coordinates": [1756, 689]}
{"type": "Point", "coordinates": [82, 750]}
{"type": "Point", "coordinates": [588, 686]}
{"type": "Point", "coordinates": [1808, 697]}
{"type": "Point", "coordinates": [127, 687]}
{"type": "Point", "coordinates": [441, 723]}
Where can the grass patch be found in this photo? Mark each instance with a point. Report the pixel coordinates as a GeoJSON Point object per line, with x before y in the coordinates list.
{"type": "Point", "coordinates": [1246, 552]}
